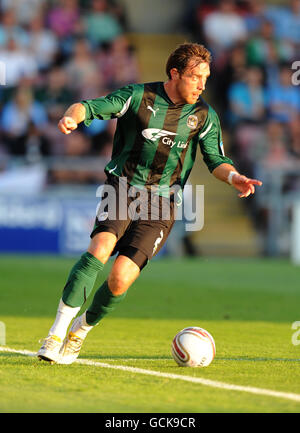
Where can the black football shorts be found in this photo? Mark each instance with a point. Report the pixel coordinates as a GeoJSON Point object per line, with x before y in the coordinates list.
{"type": "Point", "coordinates": [140, 219]}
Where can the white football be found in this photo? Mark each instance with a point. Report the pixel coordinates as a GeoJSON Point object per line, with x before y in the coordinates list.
{"type": "Point", "coordinates": [193, 347]}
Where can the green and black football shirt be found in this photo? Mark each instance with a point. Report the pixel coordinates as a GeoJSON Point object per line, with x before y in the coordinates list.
{"type": "Point", "coordinates": [156, 141]}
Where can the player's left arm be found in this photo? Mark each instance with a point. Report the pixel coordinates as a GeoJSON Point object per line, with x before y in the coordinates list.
{"type": "Point", "coordinates": [211, 145]}
{"type": "Point", "coordinates": [227, 173]}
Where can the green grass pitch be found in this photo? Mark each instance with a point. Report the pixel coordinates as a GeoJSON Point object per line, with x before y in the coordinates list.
{"type": "Point", "coordinates": [248, 305]}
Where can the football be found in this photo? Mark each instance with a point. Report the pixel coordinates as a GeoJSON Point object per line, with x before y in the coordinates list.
{"type": "Point", "coordinates": [193, 347]}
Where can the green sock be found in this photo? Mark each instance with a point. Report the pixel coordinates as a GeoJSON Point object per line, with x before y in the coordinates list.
{"type": "Point", "coordinates": [103, 303]}
{"type": "Point", "coordinates": [81, 280]}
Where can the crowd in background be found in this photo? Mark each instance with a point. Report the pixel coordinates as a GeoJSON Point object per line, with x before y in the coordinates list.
{"type": "Point", "coordinates": [254, 45]}
{"type": "Point", "coordinates": [255, 88]}
{"type": "Point", "coordinates": [59, 52]}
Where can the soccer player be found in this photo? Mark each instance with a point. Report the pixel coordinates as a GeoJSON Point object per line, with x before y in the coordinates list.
{"type": "Point", "coordinates": [159, 128]}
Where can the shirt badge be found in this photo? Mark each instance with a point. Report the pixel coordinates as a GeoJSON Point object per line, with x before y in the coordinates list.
{"type": "Point", "coordinates": [192, 122]}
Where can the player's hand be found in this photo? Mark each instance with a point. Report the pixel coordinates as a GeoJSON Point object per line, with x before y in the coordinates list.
{"type": "Point", "coordinates": [245, 185]}
{"type": "Point", "coordinates": [67, 125]}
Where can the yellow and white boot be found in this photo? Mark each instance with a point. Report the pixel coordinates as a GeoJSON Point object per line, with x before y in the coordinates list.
{"type": "Point", "coordinates": [73, 342]}
{"type": "Point", "coordinates": [50, 349]}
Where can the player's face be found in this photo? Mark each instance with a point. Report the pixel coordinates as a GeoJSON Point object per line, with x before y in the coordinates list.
{"type": "Point", "coordinates": [191, 83]}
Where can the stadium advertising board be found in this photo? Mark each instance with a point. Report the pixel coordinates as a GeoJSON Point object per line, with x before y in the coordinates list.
{"type": "Point", "coordinates": [45, 225]}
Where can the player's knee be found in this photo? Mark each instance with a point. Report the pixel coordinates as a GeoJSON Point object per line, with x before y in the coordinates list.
{"type": "Point", "coordinates": [101, 253]}
{"type": "Point", "coordinates": [122, 275]}
{"type": "Point", "coordinates": [118, 283]}
{"type": "Point", "coordinates": [102, 245]}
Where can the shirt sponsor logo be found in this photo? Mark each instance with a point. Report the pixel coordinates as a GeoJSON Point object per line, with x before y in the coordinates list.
{"type": "Point", "coordinates": [154, 134]}
{"type": "Point", "coordinates": [171, 143]}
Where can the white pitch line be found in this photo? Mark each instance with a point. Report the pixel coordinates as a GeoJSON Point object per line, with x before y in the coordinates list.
{"type": "Point", "coordinates": [201, 381]}
{"type": "Point", "coordinates": [20, 352]}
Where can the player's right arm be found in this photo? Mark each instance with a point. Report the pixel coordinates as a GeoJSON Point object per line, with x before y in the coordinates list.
{"type": "Point", "coordinates": [74, 115]}
{"type": "Point", "coordinates": [113, 105]}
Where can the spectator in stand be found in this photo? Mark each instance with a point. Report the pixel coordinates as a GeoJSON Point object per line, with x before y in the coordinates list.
{"type": "Point", "coordinates": [234, 70]}
{"type": "Point", "coordinates": [76, 147]}
{"type": "Point", "coordinates": [52, 134]}
{"type": "Point", "coordinates": [224, 28]}
{"type": "Point", "coordinates": [255, 16]}
{"type": "Point", "coordinates": [25, 10]}
{"type": "Point", "coordinates": [247, 99]}
{"type": "Point", "coordinates": [295, 136]}
{"type": "Point", "coordinates": [19, 64]}
{"type": "Point", "coordinates": [10, 29]}
{"type": "Point", "coordinates": [194, 15]}
{"type": "Point", "coordinates": [21, 117]}
{"type": "Point", "coordinates": [286, 21]}
{"type": "Point", "coordinates": [63, 19]}
{"type": "Point", "coordinates": [100, 24]}
{"type": "Point", "coordinates": [55, 93]}
{"type": "Point", "coordinates": [79, 145]}
{"type": "Point", "coordinates": [284, 98]}
{"type": "Point", "coordinates": [267, 51]}
{"type": "Point", "coordinates": [118, 63]}
{"type": "Point", "coordinates": [83, 74]}
{"type": "Point", "coordinates": [43, 43]}
{"type": "Point", "coordinates": [102, 142]}
{"type": "Point", "coordinates": [247, 102]}
{"type": "Point", "coordinates": [277, 145]}
{"type": "Point", "coordinates": [36, 144]}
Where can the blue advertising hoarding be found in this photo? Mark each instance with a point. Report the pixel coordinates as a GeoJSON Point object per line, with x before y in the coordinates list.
{"type": "Point", "coordinates": [46, 225]}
